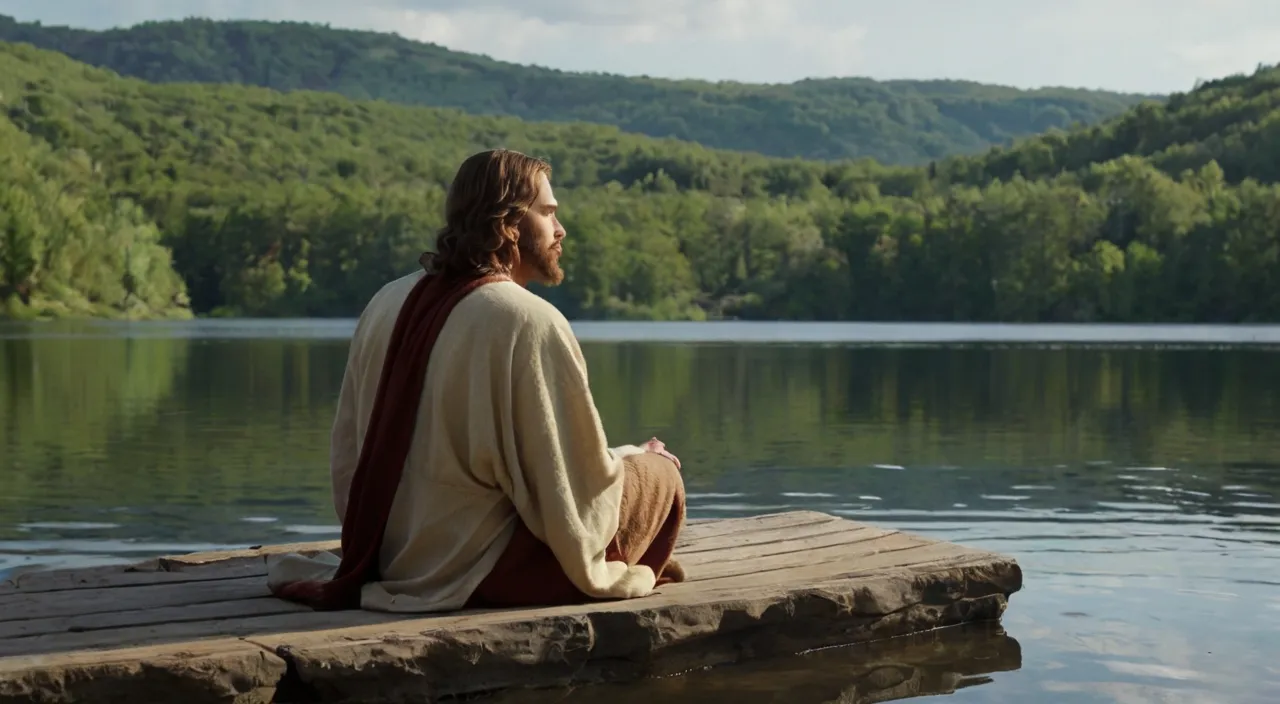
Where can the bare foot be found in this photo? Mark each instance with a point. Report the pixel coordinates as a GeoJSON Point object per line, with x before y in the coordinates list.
{"type": "Point", "coordinates": [672, 572]}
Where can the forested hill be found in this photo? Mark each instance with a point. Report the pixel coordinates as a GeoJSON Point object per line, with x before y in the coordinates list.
{"type": "Point", "coordinates": [122, 197]}
{"type": "Point", "coordinates": [1233, 121]}
{"type": "Point", "coordinates": [895, 122]}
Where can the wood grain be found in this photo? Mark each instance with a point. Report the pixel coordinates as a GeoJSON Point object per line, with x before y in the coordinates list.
{"type": "Point", "coordinates": [205, 627]}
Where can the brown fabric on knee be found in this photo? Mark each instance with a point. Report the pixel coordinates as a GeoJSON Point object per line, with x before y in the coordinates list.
{"type": "Point", "coordinates": [651, 517]}
{"type": "Point", "coordinates": [652, 514]}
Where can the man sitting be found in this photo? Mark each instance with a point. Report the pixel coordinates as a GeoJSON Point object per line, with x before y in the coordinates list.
{"type": "Point", "coordinates": [469, 465]}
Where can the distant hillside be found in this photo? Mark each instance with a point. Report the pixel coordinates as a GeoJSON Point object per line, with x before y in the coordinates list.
{"type": "Point", "coordinates": [1233, 121]}
{"type": "Point", "coordinates": [303, 203]}
{"type": "Point", "coordinates": [895, 122]}
{"type": "Point", "coordinates": [121, 197]}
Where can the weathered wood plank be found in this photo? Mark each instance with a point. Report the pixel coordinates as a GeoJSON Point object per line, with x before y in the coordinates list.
{"type": "Point", "coordinates": [820, 550]}
{"type": "Point", "coordinates": [18, 607]}
{"type": "Point", "coordinates": [101, 578]}
{"type": "Point", "coordinates": [822, 572]}
{"type": "Point", "coordinates": [89, 623]}
{"type": "Point", "coordinates": [97, 628]}
{"type": "Point", "coordinates": [180, 633]}
{"type": "Point", "coordinates": [743, 526]}
{"type": "Point", "coordinates": [135, 602]}
{"type": "Point", "coordinates": [256, 552]}
{"type": "Point", "coordinates": [251, 561]}
{"type": "Point", "coordinates": [759, 586]}
{"type": "Point", "coordinates": [111, 616]}
{"type": "Point", "coordinates": [799, 546]}
{"type": "Point", "coordinates": [177, 569]}
{"type": "Point", "coordinates": [769, 537]}
{"type": "Point", "coordinates": [265, 615]}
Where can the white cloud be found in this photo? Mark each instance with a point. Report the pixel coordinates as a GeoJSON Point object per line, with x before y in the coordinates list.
{"type": "Point", "coordinates": [750, 40]}
{"type": "Point", "coordinates": [1219, 57]}
{"type": "Point", "coordinates": [1139, 45]}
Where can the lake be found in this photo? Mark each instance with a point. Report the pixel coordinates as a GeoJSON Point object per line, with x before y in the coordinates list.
{"type": "Point", "coordinates": [1134, 472]}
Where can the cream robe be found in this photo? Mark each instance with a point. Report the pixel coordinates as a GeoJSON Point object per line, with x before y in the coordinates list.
{"type": "Point", "coordinates": [507, 427]}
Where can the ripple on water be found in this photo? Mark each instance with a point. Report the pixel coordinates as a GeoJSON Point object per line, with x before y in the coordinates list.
{"type": "Point", "coordinates": [1130, 516]}
{"type": "Point", "coordinates": [105, 547]}
{"type": "Point", "coordinates": [1255, 504]}
{"type": "Point", "coordinates": [743, 508]}
{"type": "Point", "coordinates": [312, 529]}
{"type": "Point", "coordinates": [1168, 490]}
{"type": "Point", "coordinates": [1131, 692]}
{"type": "Point", "coordinates": [1153, 670]}
{"type": "Point", "coordinates": [1136, 506]}
{"type": "Point", "coordinates": [66, 525]}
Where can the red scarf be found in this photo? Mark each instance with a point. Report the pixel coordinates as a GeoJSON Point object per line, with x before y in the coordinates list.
{"type": "Point", "coordinates": [386, 442]}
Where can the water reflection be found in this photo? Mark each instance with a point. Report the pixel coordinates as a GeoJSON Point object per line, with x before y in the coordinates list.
{"type": "Point", "coordinates": [939, 662]}
{"type": "Point", "coordinates": [1139, 488]}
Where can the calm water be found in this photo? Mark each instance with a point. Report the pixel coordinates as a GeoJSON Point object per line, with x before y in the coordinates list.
{"type": "Point", "coordinates": [1138, 485]}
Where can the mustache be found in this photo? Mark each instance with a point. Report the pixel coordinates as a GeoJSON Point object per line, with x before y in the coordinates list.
{"type": "Point", "coordinates": [526, 246]}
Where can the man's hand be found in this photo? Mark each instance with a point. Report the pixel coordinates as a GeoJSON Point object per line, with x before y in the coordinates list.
{"type": "Point", "coordinates": [656, 446]}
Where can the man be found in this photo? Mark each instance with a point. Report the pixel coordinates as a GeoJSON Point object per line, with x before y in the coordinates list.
{"type": "Point", "coordinates": [468, 461]}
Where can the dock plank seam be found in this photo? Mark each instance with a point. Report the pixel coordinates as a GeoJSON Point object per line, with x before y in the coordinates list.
{"type": "Point", "coordinates": [775, 541]}
{"type": "Point", "coordinates": [696, 580]}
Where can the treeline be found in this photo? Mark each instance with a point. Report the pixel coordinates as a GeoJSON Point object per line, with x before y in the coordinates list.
{"type": "Point", "coordinates": [68, 248]}
{"type": "Point", "coordinates": [897, 122]}
{"type": "Point", "coordinates": [302, 204]}
{"type": "Point", "coordinates": [1135, 245]}
{"type": "Point", "coordinates": [1233, 121]}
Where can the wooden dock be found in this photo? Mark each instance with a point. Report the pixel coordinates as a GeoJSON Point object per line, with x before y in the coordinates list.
{"type": "Point", "coordinates": [204, 628]}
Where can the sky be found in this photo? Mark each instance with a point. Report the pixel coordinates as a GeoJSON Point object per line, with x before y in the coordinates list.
{"type": "Point", "coordinates": [1143, 46]}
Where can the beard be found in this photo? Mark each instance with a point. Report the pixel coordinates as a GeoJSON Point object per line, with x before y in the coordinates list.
{"type": "Point", "coordinates": [543, 259]}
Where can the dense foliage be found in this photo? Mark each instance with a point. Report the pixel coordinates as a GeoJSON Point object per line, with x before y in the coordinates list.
{"type": "Point", "coordinates": [1234, 121]}
{"type": "Point", "coordinates": [67, 247]}
{"type": "Point", "coordinates": [893, 122]}
{"type": "Point", "coordinates": [303, 203]}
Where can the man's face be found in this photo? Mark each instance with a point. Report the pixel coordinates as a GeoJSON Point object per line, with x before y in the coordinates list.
{"type": "Point", "coordinates": [540, 239]}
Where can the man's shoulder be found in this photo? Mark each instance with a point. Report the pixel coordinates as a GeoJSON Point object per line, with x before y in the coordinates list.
{"type": "Point", "coordinates": [500, 309]}
{"type": "Point", "coordinates": [509, 303]}
{"type": "Point", "coordinates": [380, 312]}
{"type": "Point", "coordinates": [392, 294]}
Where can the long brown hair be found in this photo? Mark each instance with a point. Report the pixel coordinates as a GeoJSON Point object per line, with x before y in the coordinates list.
{"type": "Point", "coordinates": [488, 198]}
